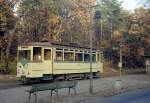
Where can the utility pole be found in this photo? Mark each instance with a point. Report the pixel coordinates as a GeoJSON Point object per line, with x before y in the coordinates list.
{"type": "Point", "coordinates": [91, 46]}
{"type": "Point", "coordinates": [118, 83]}
{"type": "Point", "coordinates": [98, 26]}
{"type": "Point", "coordinates": [101, 26]}
{"type": "Point", "coordinates": [90, 9]}
{"type": "Point", "coordinates": [120, 63]}
{"type": "Point", "coordinates": [91, 74]}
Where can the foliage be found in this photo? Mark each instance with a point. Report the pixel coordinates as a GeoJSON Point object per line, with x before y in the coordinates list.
{"type": "Point", "coordinates": [72, 21]}
{"type": "Point", "coordinates": [145, 3]}
{"type": "Point", "coordinates": [127, 29]}
{"type": "Point", "coordinates": [40, 20]}
{"type": "Point", "coordinates": [75, 17]}
{"type": "Point", "coordinates": [7, 15]}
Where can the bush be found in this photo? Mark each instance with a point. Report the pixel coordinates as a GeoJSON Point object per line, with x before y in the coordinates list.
{"type": "Point", "coordinates": [11, 67]}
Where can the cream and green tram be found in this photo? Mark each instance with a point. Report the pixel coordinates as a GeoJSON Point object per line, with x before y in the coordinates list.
{"type": "Point", "coordinates": [49, 61]}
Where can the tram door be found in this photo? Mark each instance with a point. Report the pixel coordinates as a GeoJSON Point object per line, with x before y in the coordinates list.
{"type": "Point", "coordinates": [47, 61]}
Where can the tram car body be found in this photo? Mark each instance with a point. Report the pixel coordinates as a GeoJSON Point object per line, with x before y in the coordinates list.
{"type": "Point", "coordinates": [48, 61]}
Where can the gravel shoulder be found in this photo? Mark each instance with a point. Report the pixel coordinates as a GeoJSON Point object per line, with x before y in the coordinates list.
{"type": "Point", "coordinates": [103, 87]}
{"type": "Point", "coordinates": [7, 78]}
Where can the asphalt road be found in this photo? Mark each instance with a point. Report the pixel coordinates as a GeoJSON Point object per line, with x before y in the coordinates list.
{"type": "Point", "coordinates": [140, 96]}
{"type": "Point", "coordinates": [13, 92]}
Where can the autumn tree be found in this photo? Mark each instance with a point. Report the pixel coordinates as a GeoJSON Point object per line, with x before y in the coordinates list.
{"type": "Point", "coordinates": [34, 22]}
{"type": "Point", "coordinates": [114, 26]}
{"type": "Point", "coordinates": [75, 17]}
{"type": "Point", "coordinates": [137, 37]}
{"type": "Point", "coordinates": [145, 3]}
{"type": "Point", "coordinates": [7, 15]}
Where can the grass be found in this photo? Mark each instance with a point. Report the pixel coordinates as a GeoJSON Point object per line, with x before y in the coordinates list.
{"type": "Point", "coordinates": [12, 67]}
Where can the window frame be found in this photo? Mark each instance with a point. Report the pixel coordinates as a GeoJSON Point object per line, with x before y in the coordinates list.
{"type": "Point", "coordinates": [71, 51]}
{"type": "Point", "coordinates": [41, 54]}
{"type": "Point", "coordinates": [79, 52]}
{"type": "Point", "coordinates": [25, 58]}
{"type": "Point", "coordinates": [62, 54]}
{"type": "Point", "coordinates": [50, 54]}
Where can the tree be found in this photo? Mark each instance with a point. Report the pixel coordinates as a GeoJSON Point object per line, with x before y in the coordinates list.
{"type": "Point", "coordinates": [114, 26]}
{"type": "Point", "coordinates": [59, 20]}
{"type": "Point", "coordinates": [136, 38]}
{"type": "Point", "coordinates": [7, 15]}
{"type": "Point", "coordinates": [145, 3]}
{"type": "Point", "coordinates": [36, 21]}
{"type": "Point", "coordinates": [75, 19]}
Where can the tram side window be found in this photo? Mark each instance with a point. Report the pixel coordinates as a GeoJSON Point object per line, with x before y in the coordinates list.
{"type": "Point", "coordinates": [79, 57]}
{"type": "Point", "coordinates": [37, 54]}
{"type": "Point", "coordinates": [98, 57]}
{"type": "Point", "coordinates": [68, 56]}
{"type": "Point", "coordinates": [0, 54]}
{"type": "Point", "coordinates": [24, 55]}
{"type": "Point", "coordinates": [86, 57]}
{"type": "Point", "coordinates": [101, 57]}
{"type": "Point", "coordinates": [93, 57]}
{"type": "Point", "coordinates": [59, 56]}
{"type": "Point", "coordinates": [47, 54]}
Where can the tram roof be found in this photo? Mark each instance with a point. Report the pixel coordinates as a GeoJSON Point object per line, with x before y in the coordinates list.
{"type": "Point", "coordinates": [57, 44]}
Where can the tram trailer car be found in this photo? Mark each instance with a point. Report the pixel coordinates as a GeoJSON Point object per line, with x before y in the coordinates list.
{"type": "Point", "coordinates": [49, 61]}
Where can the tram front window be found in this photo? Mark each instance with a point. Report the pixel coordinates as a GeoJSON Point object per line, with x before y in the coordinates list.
{"type": "Point", "coordinates": [24, 55]}
{"type": "Point", "coordinates": [37, 54]}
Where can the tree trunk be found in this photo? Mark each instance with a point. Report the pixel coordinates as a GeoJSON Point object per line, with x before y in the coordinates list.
{"type": "Point", "coordinates": [10, 38]}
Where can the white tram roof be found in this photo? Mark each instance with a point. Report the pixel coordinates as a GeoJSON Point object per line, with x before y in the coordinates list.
{"type": "Point", "coordinates": [56, 44]}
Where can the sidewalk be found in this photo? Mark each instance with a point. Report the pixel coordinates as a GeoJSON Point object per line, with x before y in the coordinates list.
{"type": "Point", "coordinates": [103, 87]}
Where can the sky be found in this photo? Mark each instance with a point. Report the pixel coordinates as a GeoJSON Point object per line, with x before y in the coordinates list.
{"type": "Point", "coordinates": [129, 4]}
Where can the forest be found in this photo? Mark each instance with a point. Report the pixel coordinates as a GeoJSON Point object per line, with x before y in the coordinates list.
{"type": "Point", "coordinates": [73, 21]}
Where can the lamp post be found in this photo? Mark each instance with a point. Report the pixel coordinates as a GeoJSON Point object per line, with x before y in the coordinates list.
{"type": "Point", "coordinates": [118, 82]}
{"type": "Point", "coordinates": [91, 46]}
{"type": "Point", "coordinates": [120, 62]}
{"type": "Point", "coordinates": [98, 26]}
{"type": "Point", "coordinates": [97, 17]}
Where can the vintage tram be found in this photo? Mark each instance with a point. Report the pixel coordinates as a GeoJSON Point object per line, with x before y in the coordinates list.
{"type": "Point", "coordinates": [50, 61]}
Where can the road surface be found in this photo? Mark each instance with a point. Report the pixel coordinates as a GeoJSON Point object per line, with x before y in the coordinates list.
{"type": "Point", "coordinates": [12, 92]}
{"type": "Point", "coordinates": [140, 96]}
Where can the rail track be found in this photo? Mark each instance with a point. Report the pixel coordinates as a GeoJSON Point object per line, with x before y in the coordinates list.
{"type": "Point", "coordinates": [10, 84]}
{"type": "Point", "coordinates": [15, 84]}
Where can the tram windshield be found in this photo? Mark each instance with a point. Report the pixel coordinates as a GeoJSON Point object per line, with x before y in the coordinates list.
{"type": "Point", "coordinates": [24, 55]}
